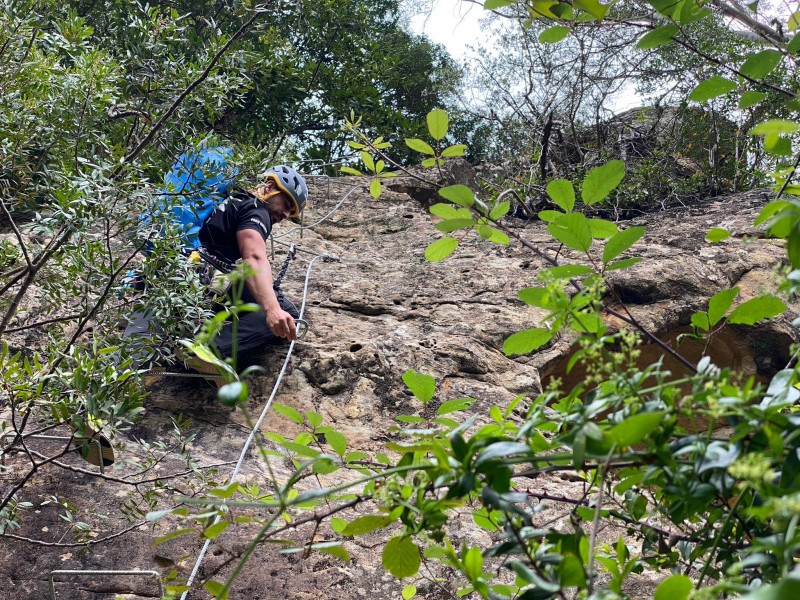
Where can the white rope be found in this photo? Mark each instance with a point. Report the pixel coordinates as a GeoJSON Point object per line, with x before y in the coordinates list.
{"type": "Point", "coordinates": [256, 427]}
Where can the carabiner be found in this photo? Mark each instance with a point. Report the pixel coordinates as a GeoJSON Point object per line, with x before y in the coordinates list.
{"type": "Point", "coordinates": [301, 327]}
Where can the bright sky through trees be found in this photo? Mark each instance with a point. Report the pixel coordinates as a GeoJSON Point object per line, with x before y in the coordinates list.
{"type": "Point", "coordinates": [452, 23]}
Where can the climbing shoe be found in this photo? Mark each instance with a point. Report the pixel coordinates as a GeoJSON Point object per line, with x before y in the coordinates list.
{"type": "Point", "coordinates": [94, 447]}
{"type": "Point", "coordinates": [207, 369]}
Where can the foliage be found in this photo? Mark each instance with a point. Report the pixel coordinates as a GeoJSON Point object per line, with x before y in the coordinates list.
{"type": "Point", "coordinates": [721, 509]}
{"type": "Point", "coordinates": [296, 73]}
{"type": "Point", "coordinates": [557, 103]}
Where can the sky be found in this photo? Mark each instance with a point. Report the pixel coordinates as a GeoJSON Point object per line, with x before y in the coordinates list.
{"type": "Point", "coordinates": [452, 23]}
{"type": "Point", "coordinates": [455, 25]}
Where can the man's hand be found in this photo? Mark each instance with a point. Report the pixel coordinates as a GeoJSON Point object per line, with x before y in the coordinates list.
{"type": "Point", "coordinates": [281, 323]}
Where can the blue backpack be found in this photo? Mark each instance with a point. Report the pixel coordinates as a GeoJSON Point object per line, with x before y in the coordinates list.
{"type": "Point", "coordinates": [200, 181]}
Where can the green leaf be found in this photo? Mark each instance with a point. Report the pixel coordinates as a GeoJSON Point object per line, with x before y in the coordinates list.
{"type": "Point", "coordinates": [554, 34]}
{"type": "Point", "coordinates": [456, 150]}
{"type": "Point", "coordinates": [455, 224]}
{"type": "Point", "coordinates": [215, 589]}
{"type": "Point", "coordinates": [602, 229]}
{"type": "Point", "coordinates": [770, 210]}
{"type": "Point", "coordinates": [549, 216]}
{"type": "Point", "coordinates": [338, 524]}
{"type": "Point", "coordinates": [634, 429]}
{"type": "Point", "coordinates": [448, 211]}
{"type": "Point", "coordinates": [482, 519]}
{"type": "Point", "coordinates": [600, 181]}
{"type": "Point", "coordinates": [355, 455]}
{"type": "Point", "coordinates": [171, 535]}
{"type": "Point", "coordinates": [675, 587]}
{"type": "Point", "coordinates": [623, 264]}
{"type": "Point", "coordinates": [401, 557]}
{"type": "Point", "coordinates": [493, 4]}
{"type": "Point", "coordinates": [751, 98]}
{"type": "Point", "coordinates": [759, 65]}
{"type": "Point", "coordinates": [778, 145]}
{"type": "Point", "coordinates": [421, 385]}
{"type": "Point", "coordinates": [573, 231]}
{"type": "Point", "coordinates": [409, 592]}
{"type": "Point", "coordinates": [538, 296]}
{"type": "Point", "coordinates": [455, 405]}
{"type": "Point", "coordinates": [473, 563]}
{"type": "Point", "coordinates": [562, 193]}
{"type": "Point", "coordinates": [366, 524]}
{"type": "Point", "coordinates": [720, 303]}
{"type": "Point", "coordinates": [493, 235]}
{"type": "Point", "coordinates": [717, 234]}
{"type": "Point", "coordinates": [420, 146]}
{"type": "Point", "coordinates": [226, 492]}
{"type": "Point", "coordinates": [367, 160]}
{"type": "Point", "coordinates": [288, 412]}
{"type": "Point", "coordinates": [336, 551]}
{"type": "Point", "coordinates": [437, 123]}
{"type": "Point", "coordinates": [375, 188]}
{"type": "Point", "coordinates": [214, 531]}
{"type": "Point", "coordinates": [440, 249]}
{"type": "Point", "coordinates": [622, 242]}
{"type": "Point", "coordinates": [500, 210]}
{"type": "Point", "coordinates": [786, 589]}
{"type": "Point", "coordinates": [593, 7]}
{"type": "Point", "coordinates": [657, 37]}
{"type": "Point", "coordinates": [752, 311]}
{"type": "Point", "coordinates": [350, 171]}
{"type": "Point", "coordinates": [794, 45]}
{"type": "Point", "coordinates": [711, 88]}
{"type": "Point", "coordinates": [300, 449]}
{"type": "Point", "coordinates": [700, 320]}
{"type": "Point", "coordinates": [458, 194]}
{"type": "Point", "coordinates": [689, 11]}
{"type": "Point", "coordinates": [336, 441]}
{"type": "Point", "coordinates": [565, 272]}
{"type": "Point", "coordinates": [409, 419]}
{"type": "Point", "coordinates": [500, 450]}
{"type": "Point", "coordinates": [571, 572]}
{"type": "Point", "coordinates": [314, 418]}
{"type": "Point", "coordinates": [429, 162]}
{"type": "Point", "coordinates": [775, 127]}
{"type": "Point", "coordinates": [526, 341]}
{"type": "Point", "coordinates": [586, 322]}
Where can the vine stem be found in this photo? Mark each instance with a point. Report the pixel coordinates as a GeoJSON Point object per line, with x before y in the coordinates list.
{"type": "Point", "coordinates": [717, 540]}
{"type": "Point", "coordinates": [94, 542]}
{"type": "Point", "coordinates": [601, 475]}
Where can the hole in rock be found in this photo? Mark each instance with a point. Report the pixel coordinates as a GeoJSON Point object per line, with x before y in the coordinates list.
{"type": "Point", "coordinates": [397, 301]}
{"type": "Point", "coordinates": [761, 353]}
{"type": "Point", "coordinates": [355, 347]}
{"type": "Point", "coordinates": [408, 216]}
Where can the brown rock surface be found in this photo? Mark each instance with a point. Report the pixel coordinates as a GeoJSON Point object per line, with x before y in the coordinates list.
{"type": "Point", "coordinates": [374, 314]}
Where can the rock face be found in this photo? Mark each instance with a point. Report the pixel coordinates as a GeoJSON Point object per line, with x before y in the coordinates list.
{"type": "Point", "coordinates": [377, 312]}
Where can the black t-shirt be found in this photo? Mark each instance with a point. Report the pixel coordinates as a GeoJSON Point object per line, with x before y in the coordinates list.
{"type": "Point", "coordinates": [239, 211]}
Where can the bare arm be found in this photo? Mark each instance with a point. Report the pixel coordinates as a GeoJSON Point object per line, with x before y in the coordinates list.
{"type": "Point", "coordinates": [253, 250]}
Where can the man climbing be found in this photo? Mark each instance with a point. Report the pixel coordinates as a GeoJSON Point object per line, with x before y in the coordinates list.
{"type": "Point", "coordinates": [225, 224]}
{"type": "Point", "coordinates": [238, 229]}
